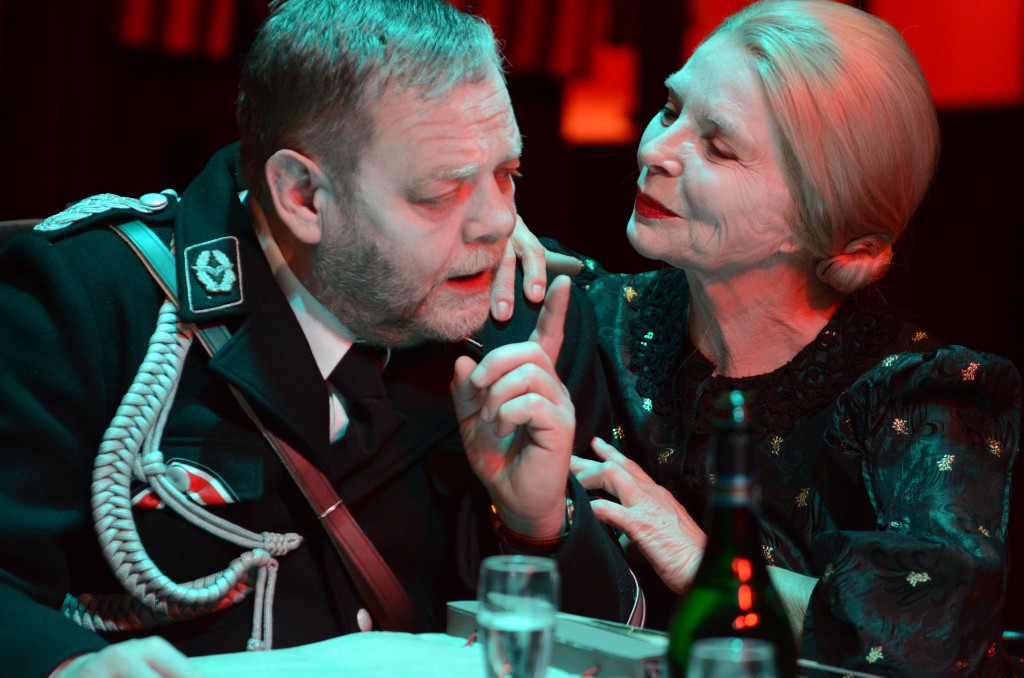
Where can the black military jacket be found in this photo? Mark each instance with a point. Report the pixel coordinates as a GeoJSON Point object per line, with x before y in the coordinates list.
{"type": "Point", "coordinates": [78, 310]}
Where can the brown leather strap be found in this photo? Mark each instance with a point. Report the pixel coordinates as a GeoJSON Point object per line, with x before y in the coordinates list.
{"type": "Point", "coordinates": [386, 598]}
{"type": "Point", "coordinates": [388, 601]}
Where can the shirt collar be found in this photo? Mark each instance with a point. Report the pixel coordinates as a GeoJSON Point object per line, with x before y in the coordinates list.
{"type": "Point", "coordinates": [327, 336]}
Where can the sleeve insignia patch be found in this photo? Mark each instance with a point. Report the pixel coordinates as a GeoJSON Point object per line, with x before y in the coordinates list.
{"type": "Point", "coordinates": [214, 275]}
{"type": "Point", "coordinates": [104, 202]}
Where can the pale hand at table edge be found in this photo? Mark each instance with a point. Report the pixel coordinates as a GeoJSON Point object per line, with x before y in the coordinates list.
{"type": "Point", "coordinates": [663, 531]}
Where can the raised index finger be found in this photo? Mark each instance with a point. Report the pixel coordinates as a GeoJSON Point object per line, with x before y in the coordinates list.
{"type": "Point", "coordinates": [550, 328]}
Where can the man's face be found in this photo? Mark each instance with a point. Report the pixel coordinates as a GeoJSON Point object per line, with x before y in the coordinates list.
{"type": "Point", "coordinates": [410, 255]}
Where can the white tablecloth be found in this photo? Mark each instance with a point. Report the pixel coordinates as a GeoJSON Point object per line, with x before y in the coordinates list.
{"type": "Point", "coordinates": [375, 653]}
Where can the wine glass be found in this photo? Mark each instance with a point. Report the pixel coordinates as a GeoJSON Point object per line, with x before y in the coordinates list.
{"type": "Point", "coordinates": [731, 658]}
{"type": "Point", "coordinates": [518, 600]}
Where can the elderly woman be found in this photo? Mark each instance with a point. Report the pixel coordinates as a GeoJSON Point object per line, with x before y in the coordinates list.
{"type": "Point", "coordinates": [792, 149]}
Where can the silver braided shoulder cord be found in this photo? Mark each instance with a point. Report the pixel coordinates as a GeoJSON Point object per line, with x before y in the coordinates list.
{"type": "Point", "coordinates": [130, 449]}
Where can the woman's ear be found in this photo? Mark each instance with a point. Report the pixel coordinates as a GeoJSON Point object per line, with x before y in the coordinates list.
{"type": "Point", "coordinates": [872, 245]}
{"type": "Point", "coordinates": [297, 187]}
{"type": "Point", "coordinates": [864, 261]}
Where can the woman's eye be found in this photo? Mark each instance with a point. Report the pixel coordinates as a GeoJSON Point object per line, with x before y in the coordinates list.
{"type": "Point", "coordinates": [667, 115]}
{"type": "Point", "coordinates": [721, 151]}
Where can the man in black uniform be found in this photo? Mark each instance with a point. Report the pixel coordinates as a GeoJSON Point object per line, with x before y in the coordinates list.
{"type": "Point", "coordinates": [368, 205]}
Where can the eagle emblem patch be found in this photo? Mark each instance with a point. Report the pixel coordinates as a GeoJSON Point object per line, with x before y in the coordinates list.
{"type": "Point", "coordinates": [215, 272]}
{"type": "Point", "coordinates": [214, 275]}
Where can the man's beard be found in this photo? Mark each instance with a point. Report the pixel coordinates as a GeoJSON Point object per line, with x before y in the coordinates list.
{"type": "Point", "coordinates": [372, 296]}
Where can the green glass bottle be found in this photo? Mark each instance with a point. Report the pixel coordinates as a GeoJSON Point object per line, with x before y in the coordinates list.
{"type": "Point", "coordinates": [731, 595]}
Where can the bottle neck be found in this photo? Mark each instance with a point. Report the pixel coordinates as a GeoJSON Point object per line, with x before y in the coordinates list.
{"type": "Point", "coordinates": [732, 490]}
{"type": "Point", "coordinates": [734, 532]}
{"type": "Point", "coordinates": [733, 466]}
{"type": "Point", "coordinates": [734, 494]}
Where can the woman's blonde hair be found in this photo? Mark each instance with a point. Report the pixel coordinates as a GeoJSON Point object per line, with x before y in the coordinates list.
{"type": "Point", "coordinates": [855, 124]}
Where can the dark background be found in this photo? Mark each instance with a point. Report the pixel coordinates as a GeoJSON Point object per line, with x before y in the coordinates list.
{"type": "Point", "coordinates": [80, 113]}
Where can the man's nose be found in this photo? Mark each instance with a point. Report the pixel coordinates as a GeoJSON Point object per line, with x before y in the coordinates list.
{"type": "Point", "coordinates": [494, 215]}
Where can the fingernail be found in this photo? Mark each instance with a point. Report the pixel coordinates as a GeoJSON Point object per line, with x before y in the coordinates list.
{"type": "Point", "coordinates": [538, 291]}
{"type": "Point", "coordinates": [503, 311]}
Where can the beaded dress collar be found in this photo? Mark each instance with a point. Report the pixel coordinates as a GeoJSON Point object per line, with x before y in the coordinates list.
{"type": "Point", "coordinates": [671, 372]}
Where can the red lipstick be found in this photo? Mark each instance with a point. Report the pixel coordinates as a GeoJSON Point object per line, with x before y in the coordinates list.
{"type": "Point", "coordinates": [649, 208]}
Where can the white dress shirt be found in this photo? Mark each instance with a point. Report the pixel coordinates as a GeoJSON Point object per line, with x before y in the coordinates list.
{"type": "Point", "coordinates": [327, 336]}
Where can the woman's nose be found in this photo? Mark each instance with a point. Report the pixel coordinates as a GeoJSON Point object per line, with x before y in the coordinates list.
{"type": "Point", "coordinates": [660, 152]}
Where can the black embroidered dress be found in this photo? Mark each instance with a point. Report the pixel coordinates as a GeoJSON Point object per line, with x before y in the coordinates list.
{"type": "Point", "coordinates": [884, 459]}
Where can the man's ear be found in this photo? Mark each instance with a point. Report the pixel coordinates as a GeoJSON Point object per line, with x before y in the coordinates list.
{"type": "Point", "coordinates": [297, 188]}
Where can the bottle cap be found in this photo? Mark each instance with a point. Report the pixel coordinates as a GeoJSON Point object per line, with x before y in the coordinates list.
{"type": "Point", "coordinates": [733, 409]}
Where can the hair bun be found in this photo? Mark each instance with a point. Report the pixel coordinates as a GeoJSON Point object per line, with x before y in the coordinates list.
{"type": "Point", "coordinates": [864, 261]}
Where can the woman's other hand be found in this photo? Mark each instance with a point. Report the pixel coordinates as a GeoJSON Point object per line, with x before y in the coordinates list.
{"type": "Point", "coordinates": [647, 514]}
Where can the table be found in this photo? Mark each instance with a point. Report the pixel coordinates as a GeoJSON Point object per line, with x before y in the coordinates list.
{"type": "Point", "coordinates": [374, 653]}
{"type": "Point", "coordinates": [582, 645]}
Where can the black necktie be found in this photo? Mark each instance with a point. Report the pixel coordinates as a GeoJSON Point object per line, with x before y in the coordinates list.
{"type": "Point", "coordinates": [371, 420]}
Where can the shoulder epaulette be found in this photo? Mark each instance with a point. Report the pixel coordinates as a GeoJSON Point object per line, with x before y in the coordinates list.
{"type": "Point", "coordinates": [107, 207]}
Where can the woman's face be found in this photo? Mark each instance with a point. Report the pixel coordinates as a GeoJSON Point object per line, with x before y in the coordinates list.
{"type": "Point", "coordinates": [711, 195]}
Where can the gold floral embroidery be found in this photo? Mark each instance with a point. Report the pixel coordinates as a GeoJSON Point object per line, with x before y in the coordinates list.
{"type": "Point", "coordinates": [960, 664]}
{"type": "Point", "coordinates": [649, 335]}
{"type": "Point", "coordinates": [915, 578]}
{"type": "Point", "coordinates": [968, 372]}
{"type": "Point", "coordinates": [769, 556]}
{"type": "Point", "coordinates": [827, 573]}
{"type": "Point", "coordinates": [629, 293]}
{"type": "Point", "coordinates": [648, 404]}
{"type": "Point", "coordinates": [888, 361]}
{"type": "Point", "coordinates": [895, 523]}
{"type": "Point", "coordinates": [919, 336]}
{"type": "Point", "coordinates": [946, 463]}
{"type": "Point", "coordinates": [618, 432]}
{"type": "Point", "coordinates": [875, 654]}
{"type": "Point", "coordinates": [900, 426]}
{"type": "Point", "coordinates": [776, 443]}
{"type": "Point", "coordinates": [665, 455]}
{"type": "Point", "coordinates": [983, 530]}
{"type": "Point", "coordinates": [801, 499]}
{"type": "Point", "coordinates": [994, 447]}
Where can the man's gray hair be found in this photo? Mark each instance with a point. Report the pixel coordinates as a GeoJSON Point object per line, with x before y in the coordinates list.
{"type": "Point", "coordinates": [316, 64]}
